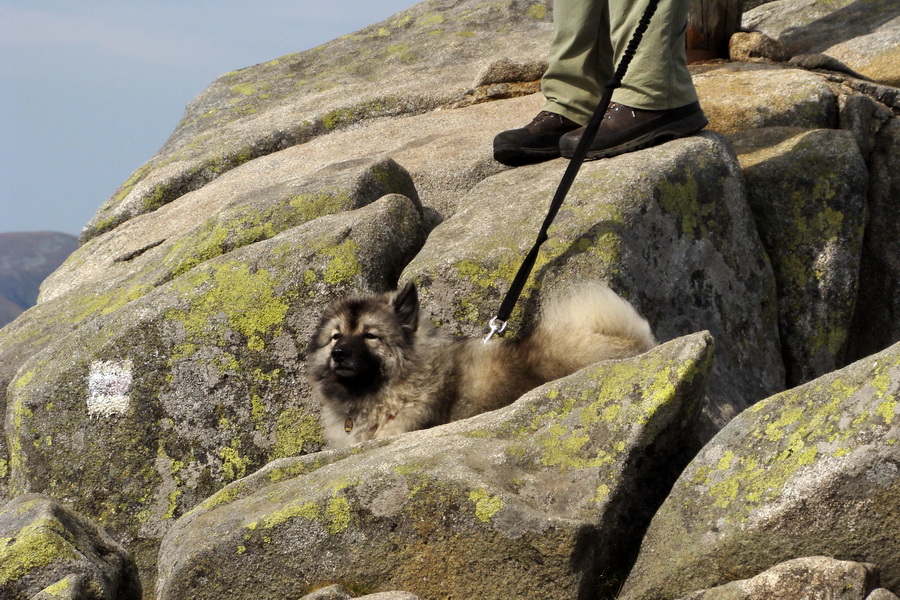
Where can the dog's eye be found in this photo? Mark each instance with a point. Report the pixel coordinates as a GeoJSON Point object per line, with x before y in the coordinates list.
{"type": "Point", "coordinates": [370, 336]}
{"type": "Point", "coordinates": [336, 337]}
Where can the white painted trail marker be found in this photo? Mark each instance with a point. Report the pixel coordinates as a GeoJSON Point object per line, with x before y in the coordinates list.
{"type": "Point", "coordinates": [109, 383]}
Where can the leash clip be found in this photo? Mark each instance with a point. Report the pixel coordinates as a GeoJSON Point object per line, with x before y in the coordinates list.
{"type": "Point", "coordinates": [497, 326]}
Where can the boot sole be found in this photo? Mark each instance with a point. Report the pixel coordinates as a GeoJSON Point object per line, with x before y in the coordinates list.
{"type": "Point", "coordinates": [513, 155]}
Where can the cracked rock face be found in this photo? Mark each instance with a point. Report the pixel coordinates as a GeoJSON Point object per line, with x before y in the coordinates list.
{"type": "Point", "coordinates": [48, 551]}
{"type": "Point", "coordinates": [174, 339]}
{"type": "Point", "coordinates": [812, 471]}
{"type": "Point", "coordinates": [864, 34]}
{"type": "Point", "coordinates": [536, 498]}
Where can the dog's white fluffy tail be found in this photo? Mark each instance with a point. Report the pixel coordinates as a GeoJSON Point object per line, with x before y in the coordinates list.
{"type": "Point", "coordinates": [586, 324]}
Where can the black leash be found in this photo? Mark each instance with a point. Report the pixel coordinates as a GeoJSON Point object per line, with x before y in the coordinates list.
{"type": "Point", "coordinates": [498, 323]}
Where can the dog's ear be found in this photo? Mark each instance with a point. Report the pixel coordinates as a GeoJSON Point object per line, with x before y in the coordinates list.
{"type": "Point", "coordinates": [406, 306]}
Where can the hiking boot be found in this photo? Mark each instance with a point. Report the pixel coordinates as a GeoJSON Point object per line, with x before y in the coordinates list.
{"type": "Point", "coordinates": [536, 142]}
{"type": "Point", "coordinates": [624, 129]}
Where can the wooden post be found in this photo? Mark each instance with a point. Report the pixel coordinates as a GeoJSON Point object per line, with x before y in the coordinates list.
{"type": "Point", "coordinates": [710, 25]}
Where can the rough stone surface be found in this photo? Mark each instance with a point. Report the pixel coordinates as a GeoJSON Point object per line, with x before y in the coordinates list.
{"type": "Point", "coordinates": [810, 578]}
{"type": "Point", "coordinates": [753, 46]}
{"type": "Point", "coordinates": [864, 117]}
{"type": "Point", "coordinates": [48, 551]}
{"type": "Point", "coordinates": [162, 343]}
{"type": "Point", "coordinates": [669, 228]}
{"type": "Point", "coordinates": [807, 189]}
{"type": "Point", "coordinates": [881, 594]}
{"type": "Point", "coordinates": [235, 211]}
{"type": "Point", "coordinates": [877, 322]}
{"type": "Point", "coordinates": [812, 471]}
{"type": "Point", "coordinates": [864, 34]}
{"type": "Point", "coordinates": [741, 96]}
{"type": "Point", "coordinates": [198, 382]}
{"type": "Point", "coordinates": [418, 60]}
{"type": "Point", "coordinates": [527, 498]}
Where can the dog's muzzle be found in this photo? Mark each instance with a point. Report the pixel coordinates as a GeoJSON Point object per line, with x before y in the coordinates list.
{"type": "Point", "coordinates": [342, 363]}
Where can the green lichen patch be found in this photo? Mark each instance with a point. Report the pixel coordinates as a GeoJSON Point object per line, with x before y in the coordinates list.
{"type": "Point", "coordinates": [343, 262]}
{"type": "Point", "coordinates": [793, 431]}
{"type": "Point", "coordinates": [700, 215]}
{"type": "Point", "coordinates": [64, 588]}
{"type": "Point", "coordinates": [537, 11]}
{"type": "Point", "coordinates": [588, 427]}
{"type": "Point", "coordinates": [486, 505]}
{"type": "Point", "coordinates": [296, 431]}
{"type": "Point", "coordinates": [247, 300]}
{"type": "Point", "coordinates": [234, 464]}
{"type": "Point", "coordinates": [340, 118]}
{"type": "Point", "coordinates": [334, 514]}
{"type": "Point", "coordinates": [36, 545]}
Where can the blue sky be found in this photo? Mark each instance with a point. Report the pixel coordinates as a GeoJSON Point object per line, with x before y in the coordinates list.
{"type": "Point", "coordinates": [90, 89]}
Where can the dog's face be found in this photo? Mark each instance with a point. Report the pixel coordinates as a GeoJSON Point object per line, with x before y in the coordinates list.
{"type": "Point", "coordinates": [362, 343]}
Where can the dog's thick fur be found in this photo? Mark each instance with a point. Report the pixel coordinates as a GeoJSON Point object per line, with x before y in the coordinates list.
{"type": "Point", "coordinates": [380, 368]}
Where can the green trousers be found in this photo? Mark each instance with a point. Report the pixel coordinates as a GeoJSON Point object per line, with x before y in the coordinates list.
{"type": "Point", "coordinates": [591, 37]}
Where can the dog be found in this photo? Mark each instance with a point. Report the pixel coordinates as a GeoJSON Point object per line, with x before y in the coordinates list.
{"type": "Point", "coordinates": [380, 368]}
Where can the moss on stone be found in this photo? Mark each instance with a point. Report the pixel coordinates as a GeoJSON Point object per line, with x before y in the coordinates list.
{"type": "Point", "coordinates": [343, 263]}
{"type": "Point", "coordinates": [308, 510]}
{"type": "Point", "coordinates": [537, 11]}
{"type": "Point", "coordinates": [247, 300]}
{"type": "Point", "coordinates": [566, 442]}
{"type": "Point", "coordinates": [342, 117]}
{"type": "Point", "coordinates": [129, 185]}
{"type": "Point", "coordinates": [36, 545]}
{"type": "Point", "coordinates": [486, 505]}
{"type": "Point", "coordinates": [63, 588]}
{"type": "Point", "coordinates": [234, 465]}
{"type": "Point", "coordinates": [244, 89]}
{"type": "Point", "coordinates": [226, 495]}
{"type": "Point", "coordinates": [318, 204]}
{"type": "Point", "coordinates": [700, 217]}
{"type": "Point", "coordinates": [82, 306]}
{"type": "Point", "coordinates": [337, 514]}
{"type": "Point", "coordinates": [296, 431]}
{"type": "Point", "coordinates": [24, 380]}
{"type": "Point", "coordinates": [797, 427]}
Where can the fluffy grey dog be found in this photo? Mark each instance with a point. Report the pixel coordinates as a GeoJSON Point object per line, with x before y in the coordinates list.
{"type": "Point", "coordinates": [380, 368]}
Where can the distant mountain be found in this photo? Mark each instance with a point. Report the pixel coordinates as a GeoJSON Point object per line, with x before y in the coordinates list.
{"type": "Point", "coordinates": [26, 258]}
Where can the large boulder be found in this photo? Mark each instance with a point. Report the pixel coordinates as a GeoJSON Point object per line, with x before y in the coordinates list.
{"type": "Point", "coordinates": [670, 228]}
{"type": "Point", "coordinates": [145, 411]}
{"type": "Point", "coordinates": [48, 551]}
{"type": "Point", "coordinates": [863, 34]}
{"type": "Point", "coordinates": [809, 578]}
{"type": "Point", "coordinates": [812, 471]}
{"type": "Point", "coordinates": [420, 59]}
{"type": "Point", "coordinates": [807, 190]}
{"type": "Point", "coordinates": [877, 321]}
{"type": "Point", "coordinates": [544, 498]}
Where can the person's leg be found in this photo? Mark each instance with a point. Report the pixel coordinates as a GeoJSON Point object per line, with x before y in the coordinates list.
{"type": "Point", "coordinates": [658, 77]}
{"type": "Point", "coordinates": [580, 64]}
{"type": "Point", "coordinates": [580, 58]}
{"type": "Point", "coordinates": [657, 100]}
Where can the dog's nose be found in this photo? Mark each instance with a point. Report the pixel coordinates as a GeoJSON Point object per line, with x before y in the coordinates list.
{"type": "Point", "coordinates": [338, 354]}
